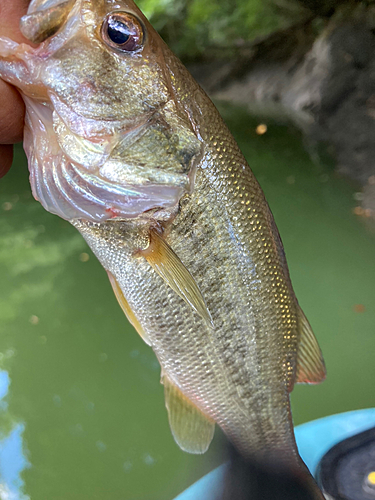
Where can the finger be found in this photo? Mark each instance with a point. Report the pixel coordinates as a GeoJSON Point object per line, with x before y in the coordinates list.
{"type": "Point", "coordinates": [12, 112]}
{"type": "Point", "coordinates": [10, 13]}
{"type": "Point", "coordinates": [6, 158]}
{"type": "Point", "coordinates": [11, 104]}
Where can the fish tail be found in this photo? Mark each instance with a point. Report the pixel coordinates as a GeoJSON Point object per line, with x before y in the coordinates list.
{"type": "Point", "coordinates": [311, 485]}
{"type": "Point", "coordinates": [249, 478]}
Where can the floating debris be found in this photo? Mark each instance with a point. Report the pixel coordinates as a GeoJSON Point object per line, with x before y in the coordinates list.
{"type": "Point", "coordinates": [362, 212]}
{"type": "Point", "coordinates": [7, 206]}
{"type": "Point", "coordinates": [358, 196]}
{"type": "Point", "coordinates": [34, 320]}
{"type": "Point", "coordinates": [148, 459]}
{"type": "Point", "coordinates": [261, 129]}
{"type": "Point", "coordinates": [84, 257]}
{"type": "Point", "coordinates": [359, 308]}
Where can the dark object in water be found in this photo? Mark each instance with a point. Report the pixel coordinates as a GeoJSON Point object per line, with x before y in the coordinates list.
{"type": "Point", "coordinates": [347, 470]}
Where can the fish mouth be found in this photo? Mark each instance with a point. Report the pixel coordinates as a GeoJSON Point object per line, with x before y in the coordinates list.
{"type": "Point", "coordinates": [81, 168]}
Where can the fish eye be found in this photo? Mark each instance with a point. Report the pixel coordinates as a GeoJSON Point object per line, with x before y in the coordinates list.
{"type": "Point", "coordinates": [123, 31]}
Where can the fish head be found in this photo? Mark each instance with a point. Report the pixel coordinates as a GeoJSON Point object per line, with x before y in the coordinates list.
{"type": "Point", "coordinates": [106, 136]}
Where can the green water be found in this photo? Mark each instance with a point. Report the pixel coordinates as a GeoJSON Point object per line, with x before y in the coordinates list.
{"type": "Point", "coordinates": [82, 414]}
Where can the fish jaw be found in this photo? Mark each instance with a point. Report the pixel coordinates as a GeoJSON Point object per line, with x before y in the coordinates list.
{"type": "Point", "coordinates": [104, 136]}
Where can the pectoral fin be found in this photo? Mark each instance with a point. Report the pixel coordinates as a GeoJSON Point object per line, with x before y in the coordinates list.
{"type": "Point", "coordinates": [167, 264]}
{"type": "Point", "coordinates": [310, 363]}
{"type": "Point", "coordinates": [192, 431]}
{"type": "Point", "coordinates": [40, 25]}
{"type": "Point", "coordinates": [126, 308]}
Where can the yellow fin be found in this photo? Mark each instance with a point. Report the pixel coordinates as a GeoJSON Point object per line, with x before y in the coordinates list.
{"type": "Point", "coordinates": [40, 25]}
{"type": "Point", "coordinates": [126, 308]}
{"type": "Point", "coordinates": [167, 264]}
{"type": "Point", "coordinates": [310, 363]}
{"type": "Point", "coordinates": [191, 429]}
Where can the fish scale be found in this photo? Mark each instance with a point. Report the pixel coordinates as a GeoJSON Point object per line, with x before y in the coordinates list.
{"type": "Point", "coordinates": [246, 357]}
{"type": "Point", "coordinates": [240, 354]}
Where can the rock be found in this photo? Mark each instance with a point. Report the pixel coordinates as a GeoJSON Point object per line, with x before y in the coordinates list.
{"type": "Point", "coordinates": [325, 85]}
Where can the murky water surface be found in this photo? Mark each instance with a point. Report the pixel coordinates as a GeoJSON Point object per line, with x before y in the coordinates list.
{"type": "Point", "coordinates": [81, 408]}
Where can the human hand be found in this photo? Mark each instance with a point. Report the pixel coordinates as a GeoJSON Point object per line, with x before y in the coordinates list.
{"type": "Point", "coordinates": [12, 109]}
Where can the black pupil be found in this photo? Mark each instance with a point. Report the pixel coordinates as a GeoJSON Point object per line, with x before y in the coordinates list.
{"type": "Point", "coordinates": [118, 32]}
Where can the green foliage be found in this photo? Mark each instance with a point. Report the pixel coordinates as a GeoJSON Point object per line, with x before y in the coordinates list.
{"type": "Point", "coordinates": [194, 27]}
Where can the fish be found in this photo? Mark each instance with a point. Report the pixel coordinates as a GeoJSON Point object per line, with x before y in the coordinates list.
{"type": "Point", "coordinates": [124, 144]}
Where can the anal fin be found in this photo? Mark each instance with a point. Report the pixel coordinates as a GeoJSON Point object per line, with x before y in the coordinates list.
{"type": "Point", "coordinates": [168, 265]}
{"type": "Point", "coordinates": [126, 308]}
{"type": "Point", "coordinates": [310, 364]}
{"type": "Point", "coordinates": [191, 429]}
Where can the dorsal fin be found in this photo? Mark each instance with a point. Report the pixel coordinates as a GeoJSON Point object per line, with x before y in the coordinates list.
{"type": "Point", "coordinates": [168, 265]}
{"type": "Point", "coordinates": [126, 308]}
{"type": "Point", "coordinates": [41, 24]}
{"type": "Point", "coordinates": [191, 429]}
{"type": "Point", "coordinates": [310, 363]}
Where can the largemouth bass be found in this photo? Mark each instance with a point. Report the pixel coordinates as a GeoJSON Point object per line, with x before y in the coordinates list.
{"type": "Point", "coordinates": [123, 143]}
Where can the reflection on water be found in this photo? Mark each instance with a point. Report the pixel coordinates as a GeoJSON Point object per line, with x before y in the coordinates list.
{"type": "Point", "coordinates": [12, 458]}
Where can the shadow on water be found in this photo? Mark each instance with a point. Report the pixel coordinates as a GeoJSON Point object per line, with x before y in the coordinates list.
{"type": "Point", "coordinates": [85, 397]}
